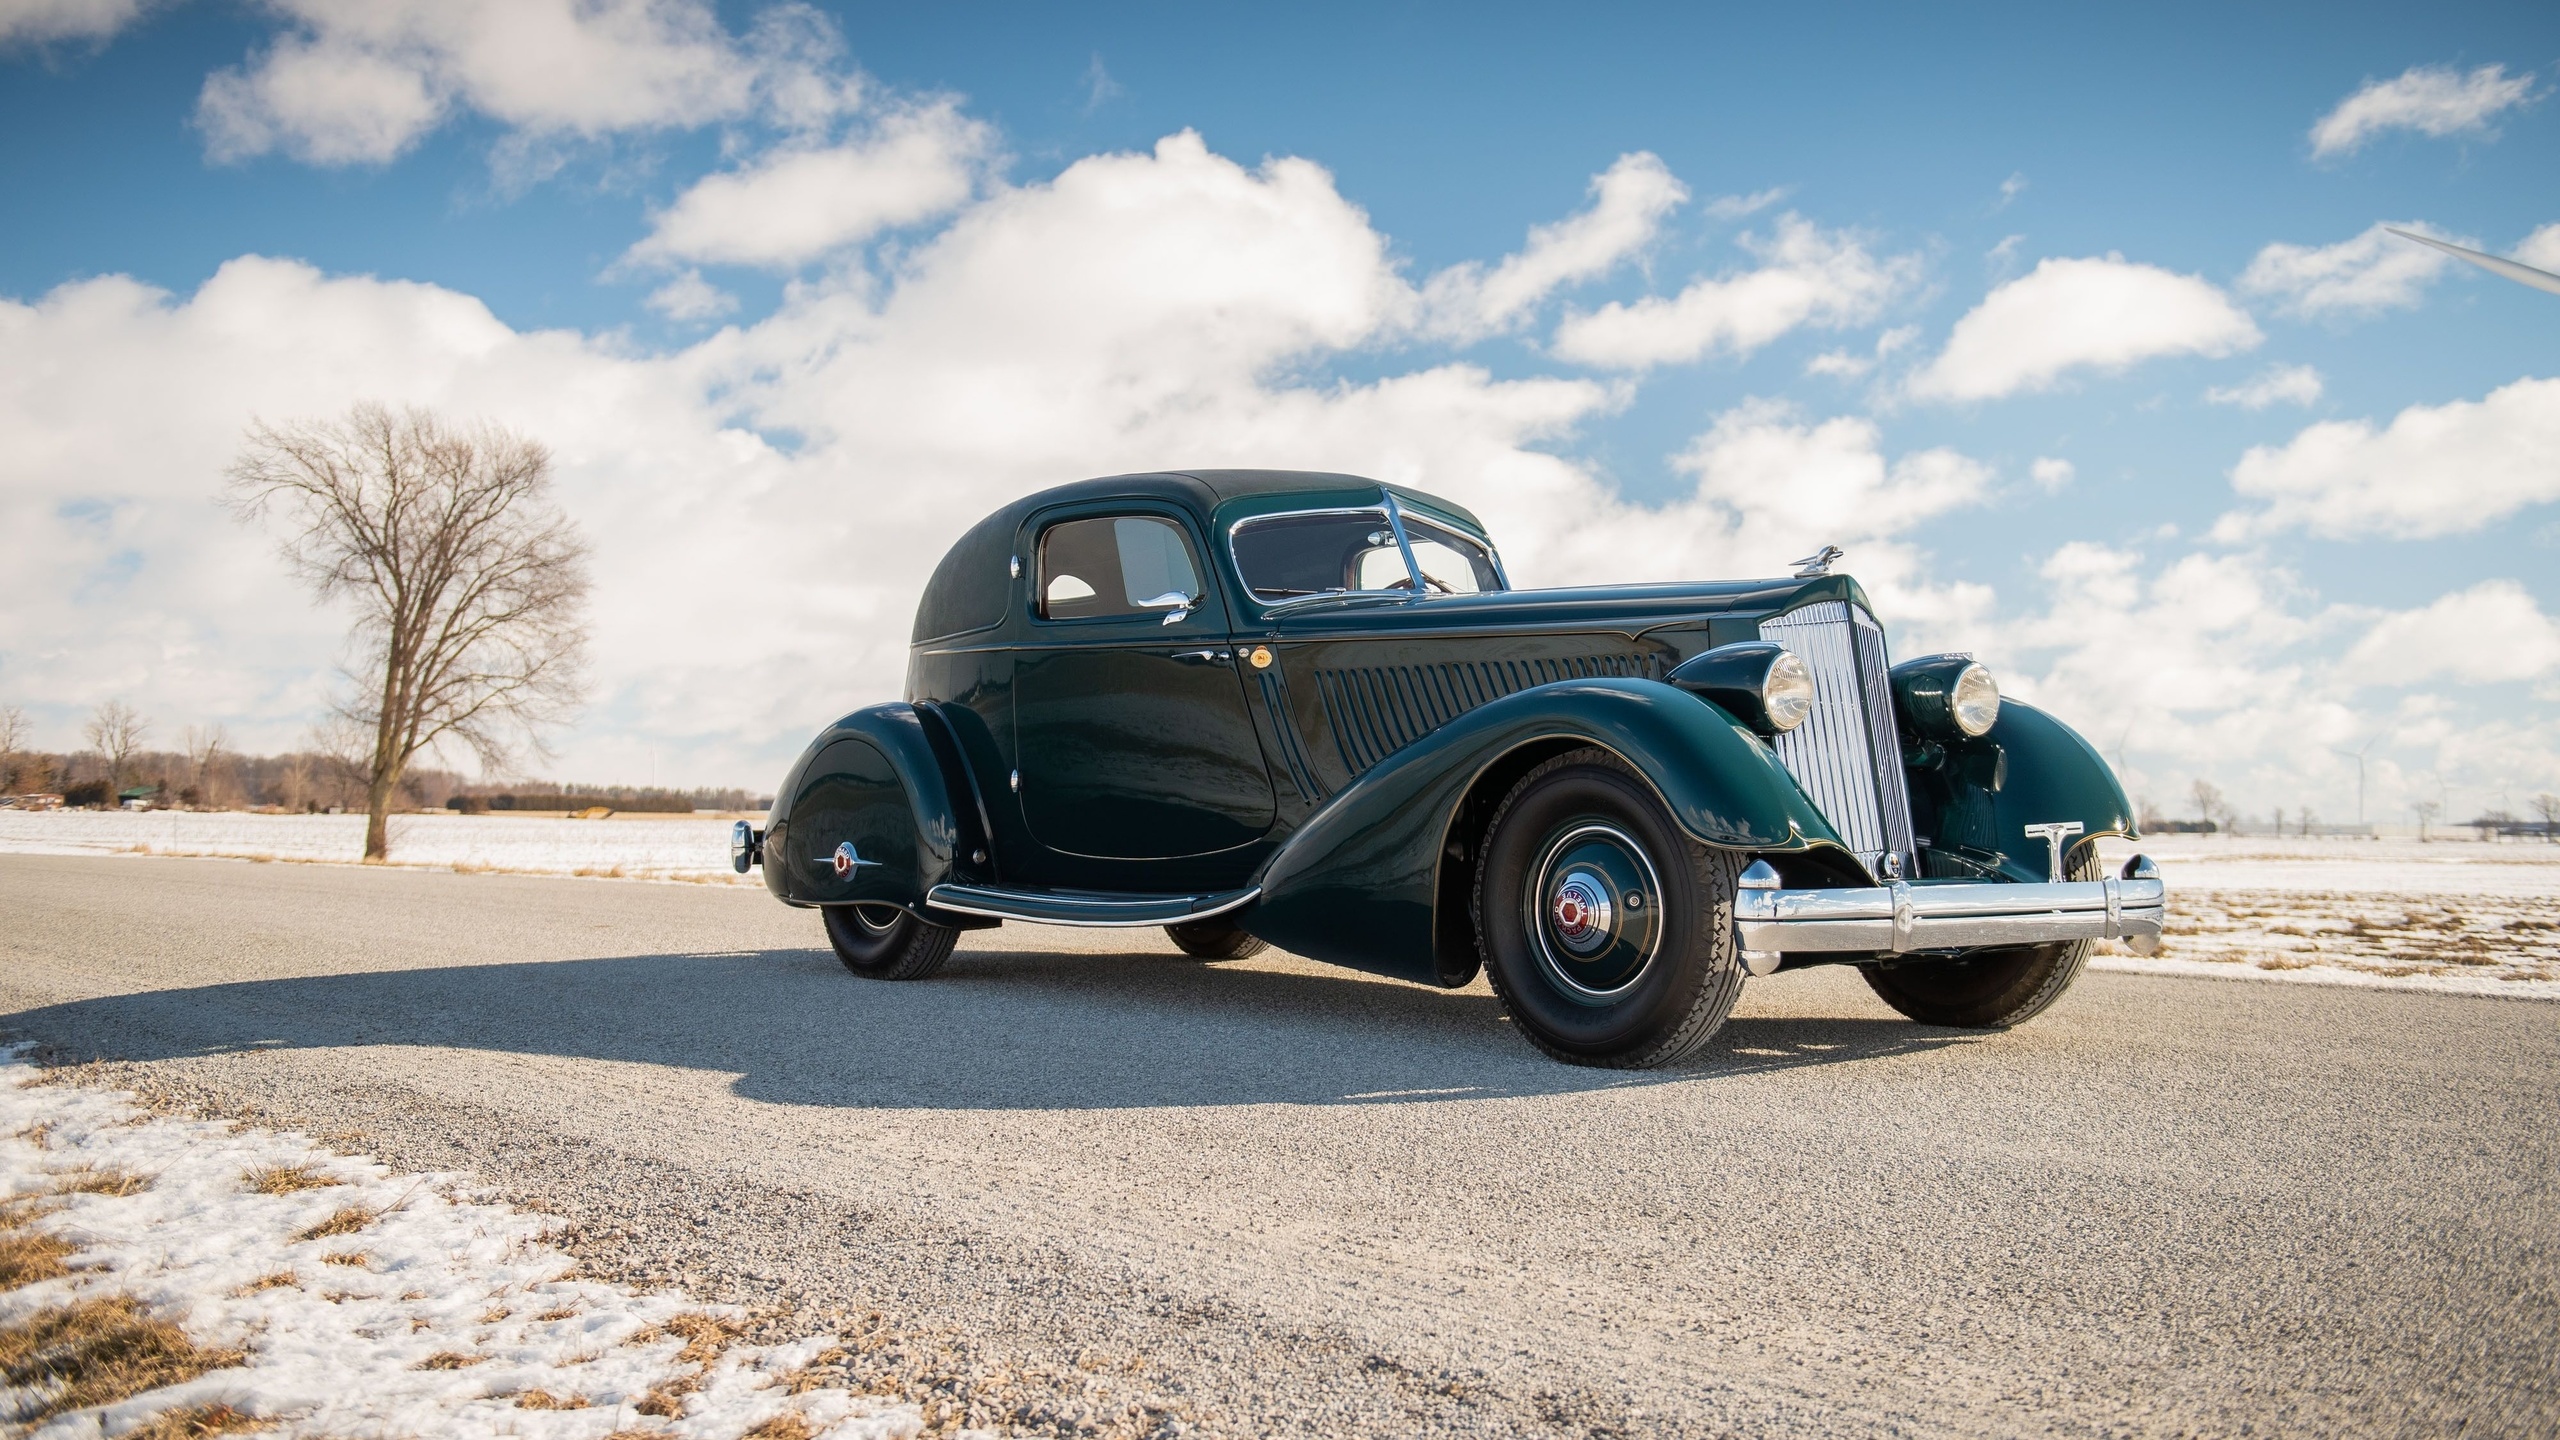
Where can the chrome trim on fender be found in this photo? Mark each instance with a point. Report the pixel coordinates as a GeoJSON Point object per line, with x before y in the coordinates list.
{"type": "Point", "coordinates": [1902, 917]}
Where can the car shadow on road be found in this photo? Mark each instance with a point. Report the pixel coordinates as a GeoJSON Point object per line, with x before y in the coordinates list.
{"type": "Point", "coordinates": [1018, 1029]}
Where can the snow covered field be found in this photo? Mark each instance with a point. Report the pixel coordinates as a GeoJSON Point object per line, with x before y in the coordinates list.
{"type": "Point", "coordinates": [2456, 915]}
{"type": "Point", "coordinates": [325, 1296]}
{"type": "Point", "coordinates": [2460, 915]}
{"type": "Point", "coordinates": [639, 848]}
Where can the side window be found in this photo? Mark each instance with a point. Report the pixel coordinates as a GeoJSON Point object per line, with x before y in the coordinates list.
{"type": "Point", "coordinates": [1453, 563]}
{"type": "Point", "coordinates": [1115, 565]}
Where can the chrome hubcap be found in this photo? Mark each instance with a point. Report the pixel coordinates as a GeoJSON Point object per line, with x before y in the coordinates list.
{"type": "Point", "coordinates": [1594, 910]}
{"type": "Point", "coordinates": [878, 919]}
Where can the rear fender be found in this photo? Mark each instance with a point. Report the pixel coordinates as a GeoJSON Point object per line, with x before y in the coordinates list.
{"type": "Point", "coordinates": [1378, 880]}
{"type": "Point", "coordinates": [880, 780]}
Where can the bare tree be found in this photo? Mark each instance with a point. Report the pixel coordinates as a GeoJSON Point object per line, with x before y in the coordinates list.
{"type": "Point", "coordinates": [469, 585]}
{"type": "Point", "coordinates": [13, 738]}
{"type": "Point", "coordinates": [204, 751]}
{"type": "Point", "coordinates": [2427, 810]}
{"type": "Point", "coordinates": [2547, 805]}
{"type": "Point", "coordinates": [115, 732]}
{"type": "Point", "coordinates": [2209, 804]}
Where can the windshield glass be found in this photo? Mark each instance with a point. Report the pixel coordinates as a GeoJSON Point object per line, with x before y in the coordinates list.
{"type": "Point", "coordinates": [1335, 552]}
{"type": "Point", "coordinates": [1283, 557]}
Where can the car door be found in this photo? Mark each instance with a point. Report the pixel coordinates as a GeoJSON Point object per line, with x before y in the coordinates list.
{"type": "Point", "coordinates": [1131, 730]}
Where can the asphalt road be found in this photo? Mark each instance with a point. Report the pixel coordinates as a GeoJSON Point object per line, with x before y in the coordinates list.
{"type": "Point", "coordinates": [1280, 1198]}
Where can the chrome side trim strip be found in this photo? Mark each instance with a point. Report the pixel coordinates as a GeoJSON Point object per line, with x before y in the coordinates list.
{"type": "Point", "coordinates": [1894, 919]}
{"type": "Point", "coordinates": [1090, 911]}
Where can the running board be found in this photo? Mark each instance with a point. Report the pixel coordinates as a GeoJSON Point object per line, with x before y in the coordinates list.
{"type": "Point", "coordinates": [1048, 907]}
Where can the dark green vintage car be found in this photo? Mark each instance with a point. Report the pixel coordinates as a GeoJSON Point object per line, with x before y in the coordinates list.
{"type": "Point", "coordinates": [1309, 709]}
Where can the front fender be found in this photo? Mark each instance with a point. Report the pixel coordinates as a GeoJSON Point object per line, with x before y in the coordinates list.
{"type": "Point", "coordinates": [2032, 769]}
{"type": "Point", "coordinates": [875, 779]}
{"type": "Point", "coordinates": [1359, 883]}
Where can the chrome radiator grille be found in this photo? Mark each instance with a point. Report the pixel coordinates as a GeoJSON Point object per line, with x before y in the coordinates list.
{"type": "Point", "coordinates": [1845, 754]}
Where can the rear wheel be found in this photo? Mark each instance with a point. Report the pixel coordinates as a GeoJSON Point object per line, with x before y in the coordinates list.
{"type": "Point", "coordinates": [1987, 989]}
{"type": "Point", "coordinates": [1606, 930]}
{"type": "Point", "coordinates": [883, 942]}
{"type": "Point", "coordinates": [1214, 940]}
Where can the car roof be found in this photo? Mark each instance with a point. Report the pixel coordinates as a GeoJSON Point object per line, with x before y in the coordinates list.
{"type": "Point", "coordinates": [965, 591]}
{"type": "Point", "coordinates": [1215, 492]}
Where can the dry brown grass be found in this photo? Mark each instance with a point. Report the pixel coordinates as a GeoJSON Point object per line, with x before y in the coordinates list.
{"type": "Point", "coordinates": [352, 1259]}
{"type": "Point", "coordinates": [667, 1401]}
{"type": "Point", "coordinates": [98, 1180]}
{"type": "Point", "coordinates": [195, 1422]}
{"type": "Point", "coordinates": [705, 1336]}
{"type": "Point", "coordinates": [545, 1400]}
{"type": "Point", "coordinates": [40, 1135]}
{"type": "Point", "coordinates": [346, 1220]}
{"type": "Point", "coordinates": [27, 1256]}
{"type": "Point", "coordinates": [494, 1314]}
{"type": "Point", "coordinates": [286, 1179]}
{"type": "Point", "coordinates": [276, 1280]}
{"type": "Point", "coordinates": [96, 1352]}
{"type": "Point", "coordinates": [565, 1312]}
{"type": "Point", "coordinates": [449, 1360]}
{"type": "Point", "coordinates": [789, 1425]}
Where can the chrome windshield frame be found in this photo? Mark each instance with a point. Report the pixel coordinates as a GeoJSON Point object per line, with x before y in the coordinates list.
{"type": "Point", "coordinates": [1381, 511]}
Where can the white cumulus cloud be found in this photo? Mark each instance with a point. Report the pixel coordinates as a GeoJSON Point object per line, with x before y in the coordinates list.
{"type": "Point", "coordinates": [2434, 470]}
{"type": "Point", "coordinates": [2052, 473]}
{"type": "Point", "coordinates": [2102, 314]}
{"type": "Point", "coordinates": [39, 22]}
{"type": "Point", "coordinates": [2541, 249]}
{"type": "Point", "coordinates": [1629, 202]}
{"type": "Point", "coordinates": [2277, 384]}
{"type": "Point", "coordinates": [1806, 276]}
{"type": "Point", "coordinates": [2492, 632]}
{"type": "Point", "coordinates": [2434, 100]}
{"type": "Point", "coordinates": [796, 204]}
{"type": "Point", "coordinates": [2372, 272]}
{"type": "Point", "coordinates": [360, 81]}
{"type": "Point", "coordinates": [689, 297]}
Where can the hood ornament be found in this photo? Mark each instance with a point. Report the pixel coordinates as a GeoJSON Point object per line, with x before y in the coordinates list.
{"type": "Point", "coordinates": [1818, 564]}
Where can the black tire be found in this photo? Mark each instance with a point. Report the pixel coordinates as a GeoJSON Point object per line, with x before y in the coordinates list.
{"type": "Point", "coordinates": [1988, 989]}
{"type": "Point", "coordinates": [1214, 940]}
{"type": "Point", "coordinates": [882, 942]}
{"type": "Point", "coordinates": [1590, 978]}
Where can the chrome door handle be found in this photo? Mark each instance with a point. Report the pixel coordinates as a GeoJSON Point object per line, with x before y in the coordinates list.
{"type": "Point", "coordinates": [1201, 657]}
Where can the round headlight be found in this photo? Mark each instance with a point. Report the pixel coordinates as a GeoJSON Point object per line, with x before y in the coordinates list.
{"type": "Point", "coordinates": [1975, 701]}
{"type": "Point", "coordinates": [1786, 694]}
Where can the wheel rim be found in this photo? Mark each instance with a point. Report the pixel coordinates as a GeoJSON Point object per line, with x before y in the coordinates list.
{"type": "Point", "coordinates": [877, 919]}
{"type": "Point", "coordinates": [1594, 910]}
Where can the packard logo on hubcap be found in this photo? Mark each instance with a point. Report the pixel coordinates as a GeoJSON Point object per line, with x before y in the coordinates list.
{"type": "Point", "coordinates": [1581, 911]}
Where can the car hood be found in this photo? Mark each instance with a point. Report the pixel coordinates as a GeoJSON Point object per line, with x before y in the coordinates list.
{"type": "Point", "coordinates": [1629, 609]}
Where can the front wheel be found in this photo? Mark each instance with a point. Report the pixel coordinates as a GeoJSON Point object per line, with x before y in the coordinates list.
{"type": "Point", "coordinates": [1606, 930]}
{"type": "Point", "coordinates": [1987, 989]}
{"type": "Point", "coordinates": [883, 942]}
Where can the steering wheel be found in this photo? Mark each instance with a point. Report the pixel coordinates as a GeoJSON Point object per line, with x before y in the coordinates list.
{"type": "Point", "coordinates": [1436, 583]}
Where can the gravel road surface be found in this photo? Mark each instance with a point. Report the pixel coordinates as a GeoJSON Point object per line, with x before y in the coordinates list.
{"type": "Point", "coordinates": [1267, 1197]}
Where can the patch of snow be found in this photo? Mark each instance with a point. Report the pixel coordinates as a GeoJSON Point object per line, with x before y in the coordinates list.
{"type": "Point", "coordinates": [2460, 917]}
{"type": "Point", "coordinates": [341, 1347]}
{"type": "Point", "coordinates": [651, 848]}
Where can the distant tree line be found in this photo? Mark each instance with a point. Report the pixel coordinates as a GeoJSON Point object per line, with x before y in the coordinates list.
{"type": "Point", "coordinates": [204, 773]}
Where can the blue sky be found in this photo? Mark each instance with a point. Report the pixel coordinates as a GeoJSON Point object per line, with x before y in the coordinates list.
{"type": "Point", "coordinates": [1944, 158]}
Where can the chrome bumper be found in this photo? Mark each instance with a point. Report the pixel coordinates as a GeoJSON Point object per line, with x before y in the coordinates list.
{"type": "Point", "coordinates": [1893, 919]}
